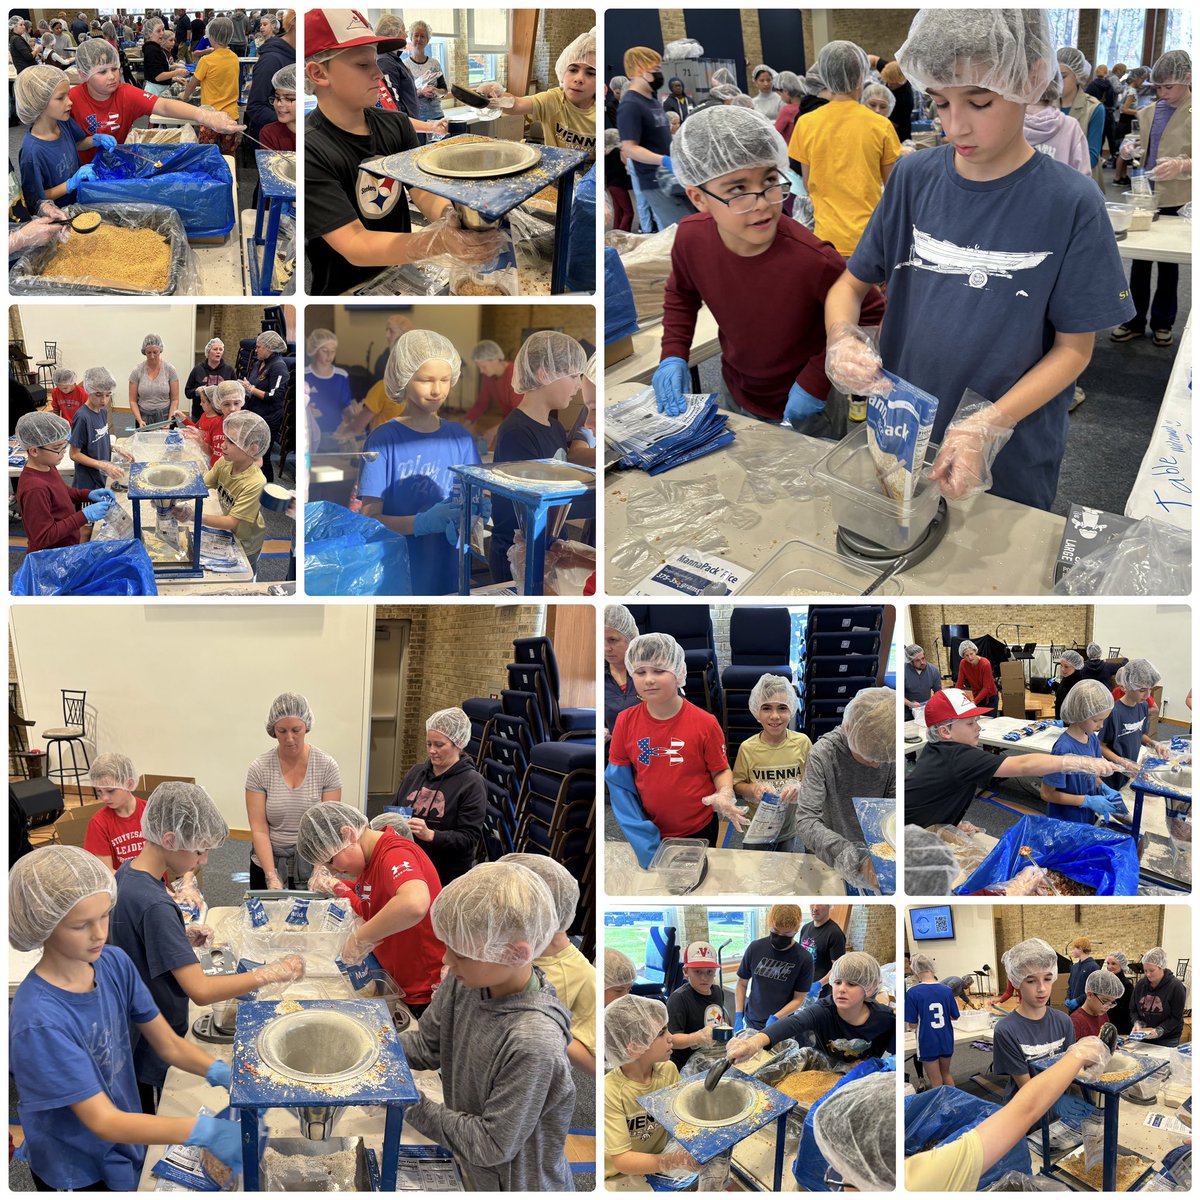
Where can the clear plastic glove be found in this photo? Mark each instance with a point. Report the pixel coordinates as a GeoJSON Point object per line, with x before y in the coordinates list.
{"type": "Point", "coordinates": [502, 101]}
{"type": "Point", "coordinates": [111, 470]}
{"type": "Point", "coordinates": [1160, 749]}
{"type": "Point", "coordinates": [1093, 1055]}
{"type": "Point", "coordinates": [1129, 147]}
{"type": "Point", "coordinates": [854, 865]}
{"type": "Point", "coordinates": [323, 880]}
{"type": "Point", "coordinates": [274, 883]}
{"type": "Point", "coordinates": [101, 494]}
{"type": "Point", "coordinates": [95, 512]}
{"type": "Point", "coordinates": [740, 1049]}
{"type": "Point", "coordinates": [670, 381]}
{"type": "Point", "coordinates": [199, 936]}
{"type": "Point", "coordinates": [436, 519]}
{"type": "Point", "coordinates": [724, 805]}
{"type": "Point", "coordinates": [437, 128]}
{"type": "Point", "coordinates": [356, 947]}
{"type": "Point", "coordinates": [801, 405]}
{"type": "Point", "coordinates": [967, 827]}
{"type": "Point", "coordinates": [1085, 764]}
{"type": "Point", "coordinates": [852, 362]}
{"type": "Point", "coordinates": [104, 141]}
{"type": "Point", "coordinates": [223, 1138]}
{"type": "Point", "coordinates": [219, 1074]}
{"type": "Point", "coordinates": [789, 793]}
{"type": "Point", "coordinates": [1170, 168]}
{"type": "Point", "coordinates": [284, 970]}
{"type": "Point", "coordinates": [217, 121]}
{"type": "Point", "coordinates": [51, 211]}
{"type": "Point", "coordinates": [492, 90]}
{"type": "Point", "coordinates": [86, 172]}
{"type": "Point", "coordinates": [963, 467]}
{"type": "Point", "coordinates": [35, 233]}
{"type": "Point", "coordinates": [1100, 806]}
{"type": "Point", "coordinates": [469, 247]}
{"type": "Point", "coordinates": [676, 1160]}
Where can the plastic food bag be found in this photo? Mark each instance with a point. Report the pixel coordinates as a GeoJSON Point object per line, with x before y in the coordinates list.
{"type": "Point", "coordinates": [1093, 1141]}
{"type": "Point", "coordinates": [714, 1175]}
{"type": "Point", "coordinates": [346, 554]}
{"type": "Point", "coordinates": [194, 1169]}
{"type": "Point", "coordinates": [91, 569]}
{"type": "Point", "coordinates": [646, 261]}
{"type": "Point", "coordinates": [772, 476]}
{"type": "Point", "coordinates": [1014, 1181]}
{"type": "Point", "coordinates": [899, 426]}
{"type": "Point", "coordinates": [682, 48]}
{"type": "Point", "coordinates": [942, 1115]}
{"type": "Point", "coordinates": [498, 278]}
{"type": "Point", "coordinates": [1150, 559]}
{"type": "Point", "coordinates": [117, 526]}
{"type": "Point", "coordinates": [568, 566]}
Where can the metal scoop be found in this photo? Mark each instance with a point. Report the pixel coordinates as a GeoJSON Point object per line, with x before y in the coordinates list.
{"type": "Point", "coordinates": [467, 96]}
{"type": "Point", "coordinates": [715, 1072]}
{"type": "Point", "coordinates": [86, 227]}
{"type": "Point", "coordinates": [1027, 853]}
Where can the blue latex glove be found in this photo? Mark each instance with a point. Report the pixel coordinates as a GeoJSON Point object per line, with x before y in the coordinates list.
{"type": "Point", "coordinates": [667, 165]}
{"type": "Point", "coordinates": [95, 512]}
{"type": "Point", "coordinates": [104, 141]}
{"type": "Point", "coordinates": [801, 405]}
{"type": "Point", "coordinates": [101, 494]}
{"type": "Point", "coordinates": [814, 991]}
{"type": "Point", "coordinates": [1072, 1108]}
{"type": "Point", "coordinates": [889, 1062]}
{"type": "Point", "coordinates": [626, 805]}
{"type": "Point", "coordinates": [1071, 1005]}
{"type": "Point", "coordinates": [669, 381]}
{"type": "Point", "coordinates": [1112, 796]}
{"type": "Point", "coordinates": [87, 171]}
{"type": "Point", "coordinates": [223, 1138]}
{"type": "Point", "coordinates": [739, 1022]}
{"type": "Point", "coordinates": [771, 1021]}
{"type": "Point", "coordinates": [1099, 805]}
{"type": "Point", "coordinates": [219, 1074]}
{"type": "Point", "coordinates": [435, 520]}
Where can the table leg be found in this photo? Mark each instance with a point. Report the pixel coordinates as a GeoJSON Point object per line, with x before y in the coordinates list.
{"type": "Point", "coordinates": [535, 551]}
{"type": "Point", "coordinates": [562, 234]}
{"type": "Point", "coordinates": [464, 534]}
{"type": "Point", "coordinates": [266, 275]}
{"type": "Point", "coordinates": [392, 1129]}
{"type": "Point", "coordinates": [1139, 798]}
{"type": "Point", "coordinates": [780, 1138]}
{"type": "Point", "coordinates": [1112, 1131]}
{"type": "Point", "coordinates": [1046, 1143]}
{"type": "Point", "coordinates": [250, 1181]}
{"type": "Point", "coordinates": [259, 215]}
{"type": "Point", "coordinates": [198, 522]}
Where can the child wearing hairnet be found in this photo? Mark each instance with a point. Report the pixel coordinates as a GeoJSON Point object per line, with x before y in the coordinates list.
{"type": "Point", "coordinates": [547, 373]}
{"type": "Point", "coordinates": [620, 974]}
{"type": "Point", "coordinates": [280, 134]}
{"type": "Point", "coordinates": [731, 255]}
{"type": "Point", "coordinates": [1102, 992]}
{"type": "Point", "coordinates": [238, 480]}
{"type": "Point", "coordinates": [929, 1007]}
{"type": "Point", "coordinates": [91, 447]}
{"type": "Point", "coordinates": [408, 486]}
{"type": "Point", "coordinates": [498, 1034]}
{"type": "Point", "coordinates": [637, 1051]}
{"type": "Point", "coordinates": [772, 762]}
{"type": "Point", "coordinates": [1074, 796]}
{"type": "Point", "coordinates": [1013, 250]}
{"type": "Point", "coordinates": [1033, 1029]}
{"type": "Point", "coordinates": [858, 758]}
{"type": "Point", "coordinates": [855, 1130]}
{"type": "Point", "coordinates": [69, 1031]}
{"type": "Point", "coordinates": [114, 832]}
{"type": "Point", "coordinates": [216, 403]}
{"type": "Point", "coordinates": [1125, 731]}
{"type": "Point", "coordinates": [666, 757]}
{"type": "Point", "coordinates": [67, 396]}
{"type": "Point", "coordinates": [776, 971]}
{"type": "Point", "coordinates": [180, 825]}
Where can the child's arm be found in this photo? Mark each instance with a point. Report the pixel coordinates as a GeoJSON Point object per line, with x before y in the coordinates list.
{"type": "Point", "coordinates": [372, 506]}
{"type": "Point", "coordinates": [110, 1124]}
{"type": "Point", "coordinates": [739, 998]}
{"type": "Point", "coordinates": [212, 119]}
{"type": "Point", "coordinates": [797, 1001]}
{"type": "Point", "coordinates": [1022, 766]}
{"type": "Point", "coordinates": [174, 1050]}
{"type": "Point", "coordinates": [211, 989]}
{"type": "Point", "coordinates": [404, 910]}
{"type": "Point", "coordinates": [35, 513]}
{"type": "Point", "coordinates": [97, 464]}
{"type": "Point", "coordinates": [581, 1057]}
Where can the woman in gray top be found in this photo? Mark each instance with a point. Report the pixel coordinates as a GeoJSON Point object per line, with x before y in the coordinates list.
{"type": "Point", "coordinates": [153, 385]}
{"type": "Point", "coordinates": [281, 786]}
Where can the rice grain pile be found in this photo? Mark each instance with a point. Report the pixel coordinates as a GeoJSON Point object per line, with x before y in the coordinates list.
{"type": "Point", "coordinates": [1129, 1168]}
{"type": "Point", "coordinates": [884, 851]}
{"type": "Point", "coordinates": [137, 259]}
{"type": "Point", "coordinates": [807, 1086]}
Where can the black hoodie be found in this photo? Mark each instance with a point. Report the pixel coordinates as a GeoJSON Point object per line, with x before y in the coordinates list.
{"type": "Point", "coordinates": [454, 804]}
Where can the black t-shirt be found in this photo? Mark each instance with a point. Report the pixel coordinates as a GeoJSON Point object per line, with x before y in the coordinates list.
{"type": "Point", "coordinates": [155, 63]}
{"type": "Point", "coordinates": [198, 27]}
{"type": "Point", "coordinates": [337, 192]}
{"type": "Point", "coordinates": [821, 1026]}
{"type": "Point", "coordinates": [688, 1011]}
{"type": "Point", "coordinates": [22, 55]}
{"type": "Point", "coordinates": [940, 787]}
{"type": "Point", "coordinates": [272, 376]}
{"type": "Point", "coordinates": [825, 943]}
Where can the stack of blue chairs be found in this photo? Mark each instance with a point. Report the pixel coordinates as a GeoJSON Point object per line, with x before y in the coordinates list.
{"type": "Point", "coordinates": [760, 643]}
{"type": "Point", "coordinates": [842, 649]}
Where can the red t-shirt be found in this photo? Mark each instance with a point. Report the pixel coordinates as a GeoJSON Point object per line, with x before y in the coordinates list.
{"type": "Point", "coordinates": [68, 405]}
{"type": "Point", "coordinates": [1085, 1025]}
{"type": "Point", "coordinates": [413, 957]}
{"type": "Point", "coordinates": [278, 136]}
{"type": "Point", "coordinates": [495, 392]}
{"type": "Point", "coordinates": [673, 764]}
{"type": "Point", "coordinates": [114, 116]}
{"type": "Point", "coordinates": [978, 679]}
{"type": "Point", "coordinates": [118, 837]}
{"type": "Point", "coordinates": [48, 509]}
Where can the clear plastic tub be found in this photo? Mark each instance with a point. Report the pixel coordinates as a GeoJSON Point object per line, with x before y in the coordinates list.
{"type": "Point", "coordinates": [858, 500]}
{"type": "Point", "coordinates": [680, 863]}
{"type": "Point", "coordinates": [801, 569]}
{"type": "Point", "coordinates": [1120, 216]}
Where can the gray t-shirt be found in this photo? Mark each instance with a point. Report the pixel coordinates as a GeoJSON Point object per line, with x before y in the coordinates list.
{"type": "Point", "coordinates": [920, 685]}
{"type": "Point", "coordinates": [286, 805]}
{"type": "Point", "coordinates": [154, 395]}
{"type": "Point", "coordinates": [1017, 1041]}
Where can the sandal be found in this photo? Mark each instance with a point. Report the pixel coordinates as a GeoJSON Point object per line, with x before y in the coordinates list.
{"type": "Point", "coordinates": [1163, 337]}
{"type": "Point", "coordinates": [1125, 333]}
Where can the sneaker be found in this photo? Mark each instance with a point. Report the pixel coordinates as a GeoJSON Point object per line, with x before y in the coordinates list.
{"type": "Point", "coordinates": [1163, 337]}
{"type": "Point", "coordinates": [1125, 333]}
{"type": "Point", "coordinates": [1077, 399]}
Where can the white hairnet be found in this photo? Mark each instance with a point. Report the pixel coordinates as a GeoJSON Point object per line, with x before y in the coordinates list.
{"type": "Point", "coordinates": [876, 91]}
{"type": "Point", "coordinates": [741, 100]}
{"type": "Point", "coordinates": [284, 80]}
{"type": "Point", "coordinates": [220, 31]}
{"type": "Point", "coordinates": [44, 885]}
{"type": "Point", "coordinates": [1009, 51]}
{"type": "Point", "coordinates": [289, 704]}
{"type": "Point", "coordinates": [715, 141]}
{"type": "Point", "coordinates": [869, 724]}
{"type": "Point", "coordinates": [930, 867]}
{"type": "Point", "coordinates": [859, 970]}
{"type": "Point", "coordinates": [93, 55]}
{"type": "Point", "coordinates": [228, 389]}
{"type": "Point", "coordinates": [187, 811]}
{"type": "Point", "coordinates": [33, 90]}
{"type": "Point", "coordinates": [318, 338]}
{"type": "Point", "coordinates": [1072, 658]}
{"type": "Point", "coordinates": [723, 75]}
{"type": "Point", "coordinates": [770, 70]}
{"type": "Point", "coordinates": [1138, 673]}
{"type": "Point", "coordinates": [966, 646]}
{"type": "Point", "coordinates": [564, 887]}
{"type": "Point", "coordinates": [619, 969]}
{"type": "Point", "coordinates": [112, 768]}
{"type": "Point", "coordinates": [723, 92]}
{"type": "Point", "coordinates": [612, 139]}
{"type": "Point", "coordinates": [396, 821]}
{"type": "Point", "coordinates": [1094, 651]}
{"type": "Point", "coordinates": [1105, 983]}
{"type": "Point", "coordinates": [411, 351]}
{"type": "Point", "coordinates": [486, 351]}
{"type": "Point", "coordinates": [497, 912]}
{"type": "Point", "coordinates": [1155, 958]}
{"type": "Point", "coordinates": [657, 650]}
{"type": "Point", "coordinates": [589, 371]}
{"type": "Point", "coordinates": [41, 428]}
{"type": "Point", "coordinates": [620, 620]}
{"type": "Point", "coordinates": [631, 1023]}
{"type": "Point", "coordinates": [98, 379]}
{"type": "Point", "coordinates": [912, 652]}
{"type": "Point", "coordinates": [271, 341]}
{"type": "Point", "coordinates": [151, 341]}
{"type": "Point", "coordinates": [582, 50]}
{"type": "Point", "coordinates": [151, 26]}
{"type": "Point", "coordinates": [208, 346]}
{"type": "Point", "coordinates": [248, 431]}
{"type": "Point", "coordinates": [814, 85]}
{"type": "Point", "coordinates": [1030, 957]}
{"type": "Point", "coordinates": [922, 964]}
{"type": "Point", "coordinates": [855, 1129]}
{"type": "Point", "coordinates": [773, 687]}
{"type": "Point", "coordinates": [1175, 66]}
{"type": "Point", "coordinates": [453, 723]}
{"type": "Point", "coordinates": [1054, 90]}
{"type": "Point", "coordinates": [64, 377]}
{"type": "Point", "coordinates": [320, 835]}
{"type": "Point", "coordinates": [1119, 957]}
{"type": "Point", "coordinates": [790, 82]}
{"type": "Point", "coordinates": [545, 357]}
{"type": "Point", "coordinates": [618, 83]}
{"type": "Point", "coordinates": [1087, 699]}
{"type": "Point", "coordinates": [1073, 60]}
{"type": "Point", "coordinates": [843, 65]}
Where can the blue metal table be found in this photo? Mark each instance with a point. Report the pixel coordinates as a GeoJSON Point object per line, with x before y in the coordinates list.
{"type": "Point", "coordinates": [193, 488]}
{"type": "Point", "coordinates": [1176, 798]}
{"type": "Point", "coordinates": [872, 813]}
{"type": "Point", "coordinates": [276, 198]}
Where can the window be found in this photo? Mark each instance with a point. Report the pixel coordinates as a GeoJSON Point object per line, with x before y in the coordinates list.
{"type": "Point", "coordinates": [1120, 35]}
{"type": "Point", "coordinates": [487, 30]}
{"type": "Point", "coordinates": [630, 931]}
{"type": "Point", "coordinates": [1179, 29]}
{"type": "Point", "coordinates": [481, 68]}
{"type": "Point", "coordinates": [1064, 26]}
{"type": "Point", "coordinates": [730, 931]}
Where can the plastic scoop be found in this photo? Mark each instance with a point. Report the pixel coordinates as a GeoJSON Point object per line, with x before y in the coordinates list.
{"type": "Point", "coordinates": [1108, 1035]}
{"type": "Point", "coordinates": [471, 98]}
{"type": "Point", "coordinates": [715, 1072]}
{"type": "Point", "coordinates": [139, 154]}
{"type": "Point", "coordinates": [84, 222]}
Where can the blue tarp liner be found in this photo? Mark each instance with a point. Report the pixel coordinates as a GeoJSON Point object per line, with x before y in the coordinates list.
{"type": "Point", "coordinates": [93, 569]}
{"type": "Point", "coordinates": [581, 255]}
{"type": "Point", "coordinates": [1099, 856]}
{"type": "Point", "coordinates": [810, 1165]}
{"type": "Point", "coordinates": [620, 312]}
{"type": "Point", "coordinates": [193, 180]}
{"type": "Point", "coordinates": [347, 554]}
{"type": "Point", "coordinates": [942, 1115]}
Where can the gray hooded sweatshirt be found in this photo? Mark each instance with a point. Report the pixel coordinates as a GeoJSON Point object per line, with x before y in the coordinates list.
{"type": "Point", "coordinates": [507, 1085]}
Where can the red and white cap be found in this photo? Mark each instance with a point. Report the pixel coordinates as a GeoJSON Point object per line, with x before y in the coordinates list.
{"type": "Point", "coordinates": [950, 704]}
{"type": "Point", "coordinates": [328, 29]}
{"type": "Point", "coordinates": [700, 954]}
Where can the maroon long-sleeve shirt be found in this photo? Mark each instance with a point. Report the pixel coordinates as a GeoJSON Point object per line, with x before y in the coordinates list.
{"type": "Point", "coordinates": [48, 509]}
{"type": "Point", "coordinates": [769, 309]}
{"type": "Point", "coordinates": [978, 678]}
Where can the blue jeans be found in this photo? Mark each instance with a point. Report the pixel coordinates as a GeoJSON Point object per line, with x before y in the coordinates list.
{"type": "Point", "coordinates": [667, 210]}
{"type": "Point", "coordinates": [644, 215]}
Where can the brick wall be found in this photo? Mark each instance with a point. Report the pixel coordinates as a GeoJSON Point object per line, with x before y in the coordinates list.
{"type": "Point", "coordinates": [673, 25]}
{"type": "Point", "coordinates": [876, 30]}
{"type": "Point", "coordinates": [557, 28]}
{"type": "Point", "coordinates": [752, 45]}
{"type": "Point", "coordinates": [507, 323]}
{"type": "Point", "coordinates": [872, 928]}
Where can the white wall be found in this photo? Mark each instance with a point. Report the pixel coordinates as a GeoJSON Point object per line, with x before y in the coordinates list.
{"type": "Point", "coordinates": [185, 689]}
{"type": "Point", "coordinates": [1177, 938]}
{"type": "Point", "coordinates": [973, 944]}
{"type": "Point", "coordinates": [1159, 632]}
{"type": "Point", "coordinates": [97, 335]}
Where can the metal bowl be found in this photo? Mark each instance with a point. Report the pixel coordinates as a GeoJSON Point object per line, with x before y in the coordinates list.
{"type": "Point", "coordinates": [318, 1045]}
{"type": "Point", "coordinates": [729, 1102]}
{"type": "Point", "coordinates": [164, 476]}
{"type": "Point", "coordinates": [541, 472]}
{"type": "Point", "coordinates": [1180, 779]}
{"type": "Point", "coordinates": [478, 160]}
{"type": "Point", "coordinates": [889, 830]}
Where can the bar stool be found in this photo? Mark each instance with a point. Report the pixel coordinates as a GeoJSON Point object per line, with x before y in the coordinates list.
{"type": "Point", "coordinates": [72, 733]}
{"type": "Point", "coordinates": [46, 366]}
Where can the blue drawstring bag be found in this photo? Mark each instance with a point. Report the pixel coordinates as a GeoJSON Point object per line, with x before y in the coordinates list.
{"type": "Point", "coordinates": [1099, 856]}
{"type": "Point", "coordinates": [942, 1115]}
{"type": "Point", "coordinates": [92, 569]}
{"type": "Point", "coordinates": [620, 312]}
{"type": "Point", "coordinates": [811, 1165]}
{"type": "Point", "coordinates": [347, 554]}
{"type": "Point", "coordinates": [581, 253]}
{"type": "Point", "coordinates": [193, 180]}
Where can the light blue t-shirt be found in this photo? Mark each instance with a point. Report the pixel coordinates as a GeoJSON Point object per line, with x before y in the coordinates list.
{"type": "Point", "coordinates": [329, 397]}
{"type": "Point", "coordinates": [411, 475]}
{"type": "Point", "coordinates": [1074, 784]}
{"type": "Point", "coordinates": [89, 433]}
{"type": "Point", "coordinates": [47, 164]}
{"type": "Point", "coordinates": [980, 278]}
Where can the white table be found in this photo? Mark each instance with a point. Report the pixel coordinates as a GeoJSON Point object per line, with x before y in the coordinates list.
{"type": "Point", "coordinates": [961, 1036]}
{"type": "Point", "coordinates": [1169, 239]}
{"type": "Point", "coordinates": [991, 735]}
{"type": "Point", "coordinates": [647, 350]}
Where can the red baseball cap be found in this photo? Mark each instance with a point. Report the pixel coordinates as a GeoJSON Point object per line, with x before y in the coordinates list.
{"type": "Point", "coordinates": [700, 954]}
{"type": "Point", "coordinates": [950, 704]}
{"type": "Point", "coordinates": [341, 29]}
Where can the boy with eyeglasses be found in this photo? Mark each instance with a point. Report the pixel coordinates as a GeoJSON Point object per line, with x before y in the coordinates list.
{"type": "Point", "coordinates": [763, 276]}
{"type": "Point", "coordinates": [1104, 990]}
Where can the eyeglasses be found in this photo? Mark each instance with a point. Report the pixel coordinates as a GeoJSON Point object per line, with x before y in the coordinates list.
{"type": "Point", "coordinates": [833, 1180]}
{"type": "Point", "coordinates": [747, 202]}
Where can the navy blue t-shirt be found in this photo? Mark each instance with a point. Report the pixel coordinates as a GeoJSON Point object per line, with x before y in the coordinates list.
{"type": "Point", "coordinates": [776, 976]}
{"type": "Point", "coordinates": [821, 1025]}
{"type": "Point", "coordinates": [47, 164]}
{"type": "Point", "coordinates": [1074, 784]}
{"type": "Point", "coordinates": [89, 433]}
{"type": "Point", "coordinates": [147, 924]}
{"type": "Point", "coordinates": [1124, 728]}
{"type": "Point", "coordinates": [643, 121]}
{"type": "Point", "coordinates": [980, 278]}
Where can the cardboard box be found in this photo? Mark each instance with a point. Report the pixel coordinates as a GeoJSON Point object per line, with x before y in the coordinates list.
{"type": "Point", "coordinates": [618, 351]}
{"type": "Point", "coordinates": [71, 828]}
{"type": "Point", "coordinates": [148, 783]}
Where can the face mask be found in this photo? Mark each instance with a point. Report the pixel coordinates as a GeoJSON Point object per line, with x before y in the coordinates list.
{"type": "Point", "coordinates": [781, 941]}
{"type": "Point", "coordinates": [656, 81]}
{"type": "Point", "coordinates": [402, 43]}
